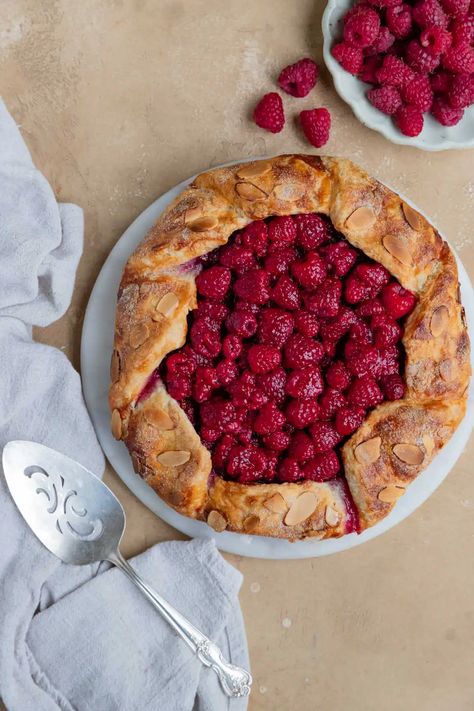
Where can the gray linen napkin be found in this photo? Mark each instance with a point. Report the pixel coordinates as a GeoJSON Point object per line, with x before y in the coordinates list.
{"type": "Point", "coordinates": [83, 638]}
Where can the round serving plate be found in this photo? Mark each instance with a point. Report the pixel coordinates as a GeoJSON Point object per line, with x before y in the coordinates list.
{"type": "Point", "coordinates": [96, 349]}
{"type": "Point", "coordinates": [433, 137]}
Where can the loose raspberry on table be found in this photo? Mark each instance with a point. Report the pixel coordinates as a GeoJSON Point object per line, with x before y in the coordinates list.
{"type": "Point", "coordinates": [350, 58]}
{"type": "Point", "coordinates": [316, 125]}
{"type": "Point", "coordinates": [301, 413]}
{"type": "Point", "coordinates": [324, 436]}
{"type": "Point", "coordinates": [348, 420]}
{"type": "Point", "coordinates": [275, 326]}
{"type": "Point", "coordinates": [385, 98]}
{"type": "Point", "coordinates": [269, 114]}
{"type": "Point", "coordinates": [310, 271]}
{"type": "Point", "coordinates": [392, 386]}
{"type": "Point", "coordinates": [298, 79]}
{"type": "Point", "coordinates": [301, 447]}
{"type": "Point", "coordinates": [394, 72]}
{"type": "Point", "coordinates": [418, 93]}
{"type": "Point", "coordinates": [435, 39]}
{"type": "Point", "coordinates": [263, 358]}
{"type": "Point", "coordinates": [213, 282]}
{"type": "Point", "coordinates": [286, 294]}
{"type": "Point", "coordinates": [364, 393]}
{"type": "Point", "coordinates": [312, 231]}
{"type": "Point", "coordinates": [305, 383]}
{"type": "Point", "coordinates": [409, 120]}
{"type": "Point", "coordinates": [397, 301]}
{"type": "Point", "coordinates": [429, 12]}
{"type": "Point", "coordinates": [460, 93]}
{"type": "Point", "coordinates": [420, 58]}
{"type": "Point", "coordinates": [362, 28]}
{"type": "Point", "coordinates": [444, 113]}
{"type": "Point", "coordinates": [306, 323]}
{"type": "Point", "coordinates": [459, 58]}
{"type": "Point", "coordinates": [269, 419]}
{"type": "Point", "coordinates": [322, 467]}
{"type": "Point", "coordinates": [282, 231]}
{"type": "Point", "coordinates": [399, 20]}
{"type": "Point", "coordinates": [337, 375]}
{"type": "Point", "coordinates": [253, 286]}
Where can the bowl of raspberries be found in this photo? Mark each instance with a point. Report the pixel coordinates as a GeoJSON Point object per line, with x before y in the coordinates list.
{"type": "Point", "coordinates": [406, 67]}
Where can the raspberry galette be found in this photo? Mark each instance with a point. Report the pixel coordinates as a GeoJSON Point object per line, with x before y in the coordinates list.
{"type": "Point", "coordinates": [290, 349]}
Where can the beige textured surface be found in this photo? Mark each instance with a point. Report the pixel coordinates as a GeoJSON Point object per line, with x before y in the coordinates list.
{"type": "Point", "coordinates": [121, 100]}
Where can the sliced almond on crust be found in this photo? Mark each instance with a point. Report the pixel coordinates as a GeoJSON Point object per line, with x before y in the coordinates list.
{"type": "Point", "coordinates": [361, 219]}
{"type": "Point", "coordinates": [138, 335]}
{"type": "Point", "coordinates": [192, 214]}
{"type": "Point", "coordinates": [158, 418]}
{"type": "Point", "coordinates": [276, 504]}
{"type": "Point", "coordinates": [397, 248]}
{"type": "Point", "coordinates": [116, 424]}
{"type": "Point", "coordinates": [413, 217]}
{"type": "Point", "coordinates": [439, 321]}
{"type": "Point", "coordinates": [331, 516]}
{"type": "Point", "coordinates": [251, 523]}
{"type": "Point", "coordinates": [254, 170]}
{"type": "Point", "coordinates": [288, 191]}
{"type": "Point", "coordinates": [301, 508]}
{"type": "Point", "coordinates": [408, 453]}
{"type": "Point", "coordinates": [391, 493]}
{"type": "Point", "coordinates": [167, 304]}
{"type": "Point", "coordinates": [447, 369]}
{"type": "Point", "coordinates": [174, 458]}
{"type": "Point", "coordinates": [203, 224]}
{"type": "Point", "coordinates": [369, 451]}
{"type": "Point", "coordinates": [250, 192]}
{"type": "Point", "coordinates": [217, 521]}
{"type": "Point", "coordinates": [115, 366]}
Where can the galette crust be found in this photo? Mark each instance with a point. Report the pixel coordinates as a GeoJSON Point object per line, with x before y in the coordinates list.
{"type": "Point", "coordinates": [396, 441]}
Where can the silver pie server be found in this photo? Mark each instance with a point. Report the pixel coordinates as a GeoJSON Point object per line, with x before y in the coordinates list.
{"type": "Point", "coordinates": [76, 516]}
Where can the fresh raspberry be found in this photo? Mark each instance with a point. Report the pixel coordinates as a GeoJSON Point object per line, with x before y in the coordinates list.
{"type": "Point", "coordinates": [399, 20]}
{"type": "Point", "coordinates": [462, 29]}
{"type": "Point", "coordinates": [282, 231]}
{"type": "Point", "coordinates": [355, 290]}
{"type": "Point", "coordinates": [361, 334]}
{"type": "Point", "coordinates": [275, 327]}
{"type": "Point", "coordinates": [316, 124]}
{"type": "Point", "coordinates": [350, 58]}
{"type": "Point", "coordinates": [435, 39]}
{"type": "Point", "coordinates": [241, 323]}
{"type": "Point", "coordinates": [374, 275]}
{"type": "Point", "coordinates": [273, 384]}
{"type": "Point", "coordinates": [459, 58]}
{"type": "Point", "coordinates": [277, 441]}
{"type": "Point", "coordinates": [269, 113]}
{"type": "Point", "coordinates": [306, 323]}
{"type": "Point", "coordinates": [253, 286]}
{"type": "Point", "coordinates": [340, 256]}
{"type": "Point", "coordinates": [337, 375]}
{"type": "Point", "coordinates": [429, 12]}
{"type": "Point", "coordinates": [227, 371]}
{"type": "Point", "coordinates": [348, 420]}
{"type": "Point", "coordinates": [213, 282]}
{"type": "Point", "coordinates": [242, 305]}
{"type": "Point", "coordinates": [456, 7]}
{"type": "Point", "coordinates": [311, 231]}
{"type": "Point", "coordinates": [210, 435]}
{"type": "Point", "coordinates": [420, 58]}
{"type": "Point", "coordinates": [246, 463]}
{"type": "Point", "coordinates": [212, 310]}
{"type": "Point", "coordinates": [180, 364]}
{"type": "Point", "coordinates": [255, 237]}
{"type": "Point", "coordinates": [392, 386]}
{"type": "Point", "coordinates": [322, 467]}
{"type": "Point", "coordinates": [388, 361]}
{"type": "Point", "coordinates": [364, 393]}
{"type": "Point", "coordinates": [460, 94]}
{"type": "Point", "coordinates": [298, 79]}
{"type": "Point", "coordinates": [361, 359]}
{"type": "Point", "coordinates": [324, 436]}
{"type": "Point", "coordinates": [279, 260]}
{"type": "Point", "coordinates": [325, 300]}
{"type": "Point", "coordinates": [263, 358]}
{"type": "Point", "coordinates": [397, 301]}
{"type": "Point", "coordinates": [330, 402]}
{"type": "Point", "coordinates": [301, 413]}
{"type": "Point", "coordinates": [444, 113]}
{"type": "Point", "coordinates": [217, 413]}
{"type": "Point", "coordinates": [409, 120]}
{"type": "Point", "coordinates": [370, 308]}
{"type": "Point", "coordinates": [418, 93]}
{"type": "Point", "coordinates": [242, 390]}
{"type": "Point", "coordinates": [382, 43]}
{"type": "Point", "coordinates": [310, 271]}
{"type": "Point", "coordinates": [385, 98]}
{"type": "Point", "coordinates": [236, 257]}
{"type": "Point", "coordinates": [222, 451]}
{"type": "Point", "coordinates": [300, 351]}
{"type": "Point", "coordinates": [440, 81]}
{"type": "Point", "coordinates": [301, 447]}
{"type": "Point", "coordinates": [288, 470]}
{"type": "Point", "coordinates": [394, 72]}
{"type": "Point", "coordinates": [204, 338]}
{"type": "Point", "coordinates": [205, 381]}
{"type": "Point", "coordinates": [231, 346]}
{"type": "Point", "coordinates": [383, 3]}
{"type": "Point", "coordinates": [305, 383]}
{"type": "Point", "coordinates": [285, 293]}
{"type": "Point", "coordinates": [269, 419]}
{"type": "Point", "coordinates": [362, 28]}
{"type": "Point", "coordinates": [370, 66]}
{"type": "Point", "coordinates": [386, 330]}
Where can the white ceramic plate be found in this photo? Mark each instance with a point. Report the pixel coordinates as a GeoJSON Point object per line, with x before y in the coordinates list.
{"type": "Point", "coordinates": [96, 349]}
{"type": "Point", "coordinates": [433, 137]}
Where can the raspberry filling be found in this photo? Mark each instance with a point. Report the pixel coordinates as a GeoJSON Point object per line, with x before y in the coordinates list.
{"type": "Point", "coordinates": [296, 336]}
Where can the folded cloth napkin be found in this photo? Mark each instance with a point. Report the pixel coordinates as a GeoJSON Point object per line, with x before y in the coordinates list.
{"type": "Point", "coordinates": [83, 638]}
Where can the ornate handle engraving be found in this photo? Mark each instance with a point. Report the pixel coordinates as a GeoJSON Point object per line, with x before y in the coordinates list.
{"type": "Point", "coordinates": [65, 505]}
{"type": "Point", "coordinates": [235, 681]}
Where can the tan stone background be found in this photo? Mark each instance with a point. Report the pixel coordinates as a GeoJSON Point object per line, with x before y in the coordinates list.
{"type": "Point", "coordinates": [118, 101]}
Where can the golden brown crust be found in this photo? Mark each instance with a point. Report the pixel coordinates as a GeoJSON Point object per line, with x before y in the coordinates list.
{"type": "Point", "coordinates": [158, 290]}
